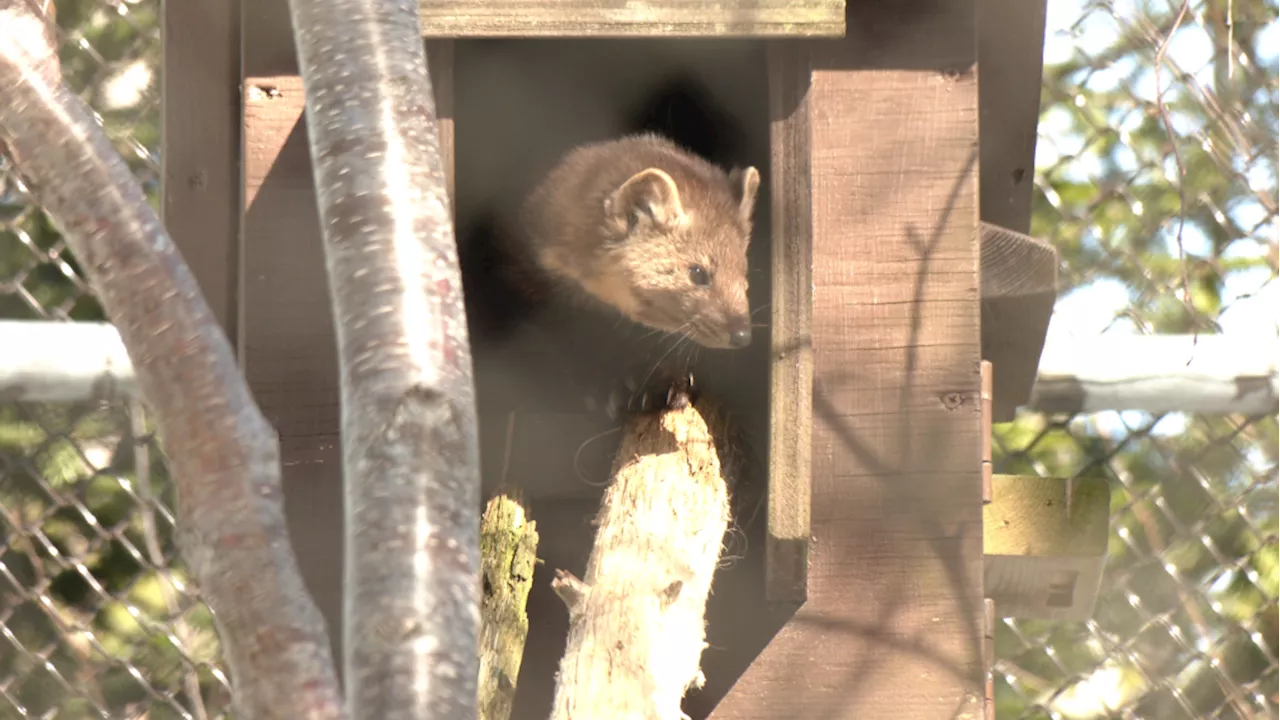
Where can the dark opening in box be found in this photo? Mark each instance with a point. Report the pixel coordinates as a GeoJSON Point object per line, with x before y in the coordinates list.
{"type": "Point", "coordinates": [542, 382]}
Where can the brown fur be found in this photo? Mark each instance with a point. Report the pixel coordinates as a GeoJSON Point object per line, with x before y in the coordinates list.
{"type": "Point", "coordinates": [628, 220]}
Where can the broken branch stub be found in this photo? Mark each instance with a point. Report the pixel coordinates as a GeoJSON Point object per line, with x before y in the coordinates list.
{"type": "Point", "coordinates": [508, 551]}
{"type": "Point", "coordinates": [637, 623]}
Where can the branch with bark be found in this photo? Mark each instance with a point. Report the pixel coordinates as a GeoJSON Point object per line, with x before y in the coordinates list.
{"type": "Point", "coordinates": [409, 435]}
{"type": "Point", "coordinates": [637, 619]}
{"type": "Point", "coordinates": [223, 455]}
{"type": "Point", "coordinates": [508, 546]}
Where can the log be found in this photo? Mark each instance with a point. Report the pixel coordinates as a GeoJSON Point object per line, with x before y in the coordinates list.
{"type": "Point", "coordinates": [508, 551]}
{"type": "Point", "coordinates": [636, 620]}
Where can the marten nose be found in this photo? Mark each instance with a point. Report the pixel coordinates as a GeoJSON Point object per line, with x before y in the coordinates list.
{"type": "Point", "coordinates": [740, 338]}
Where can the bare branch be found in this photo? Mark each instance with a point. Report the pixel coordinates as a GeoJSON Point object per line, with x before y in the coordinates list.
{"type": "Point", "coordinates": [223, 454]}
{"type": "Point", "coordinates": [410, 452]}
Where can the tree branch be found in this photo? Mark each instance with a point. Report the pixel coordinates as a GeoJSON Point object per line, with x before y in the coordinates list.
{"type": "Point", "coordinates": [410, 449]}
{"type": "Point", "coordinates": [508, 542]}
{"type": "Point", "coordinates": [223, 454]}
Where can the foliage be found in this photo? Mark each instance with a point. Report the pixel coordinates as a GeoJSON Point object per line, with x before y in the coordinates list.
{"type": "Point", "coordinates": [96, 615]}
{"type": "Point", "coordinates": [1186, 621]}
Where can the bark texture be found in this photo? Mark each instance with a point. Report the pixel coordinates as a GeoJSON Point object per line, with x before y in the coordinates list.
{"type": "Point", "coordinates": [508, 548]}
{"type": "Point", "coordinates": [409, 437]}
{"type": "Point", "coordinates": [222, 453]}
{"type": "Point", "coordinates": [636, 620]}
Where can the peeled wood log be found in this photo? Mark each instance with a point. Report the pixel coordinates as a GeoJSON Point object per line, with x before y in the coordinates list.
{"type": "Point", "coordinates": [636, 621]}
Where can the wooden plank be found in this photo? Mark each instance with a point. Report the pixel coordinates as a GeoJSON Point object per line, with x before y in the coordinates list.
{"type": "Point", "coordinates": [625, 18]}
{"type": "Point", "coordinates": [893, 624]}
{"type": "Point", "coordinates": [200, 190]}
{"type": "Point", "coordinates": [1019, 289]}
{"type": "Point", "coordinates": [1010, 64]}
{"type": "Point", "coordinates": [1045, 545]}
{"type": "Point", "coordinates": [288, 348]}
{"type": "Point", "coordinates": [791, 368]}
{"type": "Point", "coordinates": [440, 68]}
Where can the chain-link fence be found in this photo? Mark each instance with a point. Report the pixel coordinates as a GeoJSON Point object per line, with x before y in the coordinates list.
{"type": "Point", "coordinates": [97, 617]}
{"type": "Point", "coordinates": [1135, 172]}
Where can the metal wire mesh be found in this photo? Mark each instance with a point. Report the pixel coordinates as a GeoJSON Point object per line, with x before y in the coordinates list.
{"type": "Point", "coordinates": [1133, 174]}
{"type": "Point", "coordinates": [97, 618]}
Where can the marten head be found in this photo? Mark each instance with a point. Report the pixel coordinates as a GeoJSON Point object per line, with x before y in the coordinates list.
{"type": "Point", "coordinates": [675, 258]}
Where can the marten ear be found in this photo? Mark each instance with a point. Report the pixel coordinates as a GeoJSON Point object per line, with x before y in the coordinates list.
{"type": "Point", "coordinates": [649, 195]}
{"type": "Point", "coordinates": [746, 182]}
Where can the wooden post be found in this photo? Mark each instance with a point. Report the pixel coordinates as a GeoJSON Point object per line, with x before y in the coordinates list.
{"type": "Point", "coordinates": [989, 657]}
{"type": "Point", "coordinates": [893, 625]}
{"type": "Point", "coordinates": [791, 372]}
{"type": "Point", "coordinates": [988, 385]}
{"type": "Point", "coordinates": [200, 189]}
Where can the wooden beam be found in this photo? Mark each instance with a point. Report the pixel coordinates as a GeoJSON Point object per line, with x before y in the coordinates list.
{"type": "Point", "coordinates": [1045, 545]}
{"type": "Point", "coordinates": [622, 18]}
{"type": "Point", "coordinates": [1019, 289]}
{"type": "Point", "coordinates": [440, 68]}
{"type": "Point", "coordinates": [1010, 63]}
{"type": "Point", "coordinates": [791, 367]}
{"type": "Point", "coordinates": [288, 349]}
{"type": "Point", "coordinates": [200, 190]}
{"type": "Point", "coordinates": [893, 625]}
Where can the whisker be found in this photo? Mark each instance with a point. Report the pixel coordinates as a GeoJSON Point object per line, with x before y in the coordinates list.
{"type": "Point", "coordinates": [645, 381]}
{"type": "Point", "coordinates": [577, 457]}
{"type": "Point", "coordinates": [762, 307]}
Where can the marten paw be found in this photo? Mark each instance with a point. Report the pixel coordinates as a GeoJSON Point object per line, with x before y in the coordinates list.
{"type": "Point", "coordinates": [629, 396]}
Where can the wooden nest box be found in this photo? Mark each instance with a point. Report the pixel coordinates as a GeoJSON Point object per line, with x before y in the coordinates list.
{"type": "Point", "coordinates": [896, 143]}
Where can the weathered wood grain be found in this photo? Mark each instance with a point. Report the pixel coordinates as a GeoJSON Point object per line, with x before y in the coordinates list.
{"type": "Point", "coordinates": [1010, 62]}
{"type": "Point", "coordinates": [624, 18]}
{"type": "Point", "coordinates": [637, 617]}
{"type": "Point", "coordinates": [893, 623]}
{"type": "Point", "coordinates": [791, 366]}
{"type": "Point", "coordinates": [200, 190]}
{"type": "Point", "coordinates": [1019, 288]}
{"type": "Point", "coordinates": [440, 66]}
{"type": "Point", "coordinates": [287, 345]}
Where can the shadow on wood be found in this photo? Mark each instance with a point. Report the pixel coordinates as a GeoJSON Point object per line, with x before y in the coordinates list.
{"type": "Point", "coordinates": [1019, 288]}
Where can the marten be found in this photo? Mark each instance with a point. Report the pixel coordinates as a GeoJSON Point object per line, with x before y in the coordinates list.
{"type": "Point", "coordinates": [650, 230]}
{"type": "Point", "coordinates": [637, 227]}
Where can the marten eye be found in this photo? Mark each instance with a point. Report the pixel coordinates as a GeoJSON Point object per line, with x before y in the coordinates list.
{"type": "Point", "coordinates": [698, 275]}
